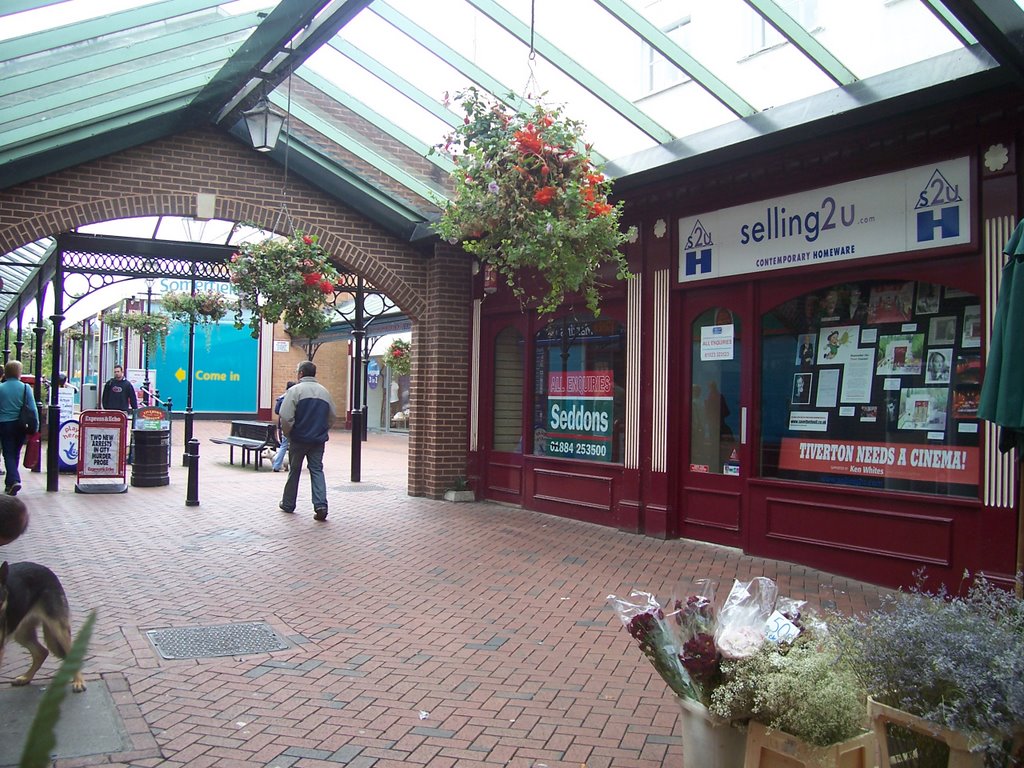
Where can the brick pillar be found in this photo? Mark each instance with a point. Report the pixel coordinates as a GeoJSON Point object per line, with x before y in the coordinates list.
{"type": "Point", "coordinates": [438, 439]}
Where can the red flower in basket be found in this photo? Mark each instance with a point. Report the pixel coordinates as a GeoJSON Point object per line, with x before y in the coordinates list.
{"type": "Point", "coordinates": [312, 278]}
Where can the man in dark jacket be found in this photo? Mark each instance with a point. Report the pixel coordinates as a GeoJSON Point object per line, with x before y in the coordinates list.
{"type": "Point", "coordinates": [119, 394]}
{"type": "Point", "coordinates": [307, 414]}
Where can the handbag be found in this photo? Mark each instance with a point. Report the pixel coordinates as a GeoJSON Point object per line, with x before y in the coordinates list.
{"type": "Point", "coordinates": [32, 449]}
{"type": "Point", "coordinates": [29, 418]}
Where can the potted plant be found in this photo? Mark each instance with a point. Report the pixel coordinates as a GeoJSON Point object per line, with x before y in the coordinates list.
{"type": "Point", "coordinates": [151, 328]}
{"type": "Point", "coordinates": [945, 673]}
{"type": "Point", "coordinates": [205, 308]}
{"type": "Point", "coordinates": [460, 491]}
{"type": "Point", "coordinates": [284, 279]}
{"type": "Point", "coordinates": [529, 201]}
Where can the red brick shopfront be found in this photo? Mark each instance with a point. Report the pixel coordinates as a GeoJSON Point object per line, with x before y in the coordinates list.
{"type": "Point", "coordinates": [795, 368]}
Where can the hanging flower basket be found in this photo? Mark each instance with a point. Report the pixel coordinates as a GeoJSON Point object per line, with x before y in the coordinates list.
{"type": "Point", "coordinates": [205, 308]}
{"type": "Point", "coordinates": [530, 201]}
{"type": "Point", "coordinates": [152, 329]}
{"type": "Point", "coordinates": [291, 280]}
{"type": "Point", "coordinates": [398, 357]}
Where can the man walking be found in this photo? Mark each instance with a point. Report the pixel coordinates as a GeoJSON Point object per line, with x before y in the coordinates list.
{"type": "Point", "coordinates": [307, 414]}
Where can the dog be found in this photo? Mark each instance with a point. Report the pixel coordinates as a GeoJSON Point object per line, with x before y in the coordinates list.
{"type": "Point", "coordinates": [31, 596]}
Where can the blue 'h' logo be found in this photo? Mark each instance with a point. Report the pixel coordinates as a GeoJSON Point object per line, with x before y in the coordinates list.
{"type": "Point", "coordinates": [947, 222]}
{"type": "Point", "coordinates": [698, 262]}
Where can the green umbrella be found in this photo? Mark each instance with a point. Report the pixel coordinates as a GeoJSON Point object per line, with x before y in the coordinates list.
{"type": "Point", "coordinates": [1002, 393]}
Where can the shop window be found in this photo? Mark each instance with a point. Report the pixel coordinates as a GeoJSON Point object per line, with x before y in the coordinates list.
{"type": "Point", "coordinates": [579, 394]}
{"type": "Point", "coordinates": [508, 391]}
{"type": "Point", "coordinates": [715, 388]}
{"type": "Point", "coordinates": [873, 384]}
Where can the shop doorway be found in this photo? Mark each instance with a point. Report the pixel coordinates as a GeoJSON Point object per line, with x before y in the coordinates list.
{"type": "Point", "coordinates": [714, 440]}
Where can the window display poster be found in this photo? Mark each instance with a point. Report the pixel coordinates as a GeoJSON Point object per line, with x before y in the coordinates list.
{"type": "Point", "coordinates": [580, 414]}
{"type": "Point", "coordinates": [906, 461]}
{"type": "Point", "coordinates": [805, 349]}
{"type": "Point", "coordinates": [966, 387]}
{"type": "Point", "coordinates": [857, 377]}
{"type": "Point", "coordinates": [828, 388]}
{"type": "Point", "coordinates": [972, 327]}
{"type": "Point", "coordinates": [942, 330]}
{"type": "Point", "coordinates": [802, 388]}
{"type": "Point", "coordinates": [891, 303]}
{"type": "Point", "coordinates": [937, 370]}
{"type": "Point", "coordinates": [837, 343]}
{"type": "Point", "coordinates": [901, 354]}
{"type": "Point", "coordinates": [923, 408]}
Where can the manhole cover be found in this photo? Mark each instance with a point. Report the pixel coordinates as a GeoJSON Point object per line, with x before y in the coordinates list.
{"type": "Point", "coordinates": [222, 640]}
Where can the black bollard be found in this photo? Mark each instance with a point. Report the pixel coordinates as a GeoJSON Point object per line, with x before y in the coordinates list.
{"type": "Point", "coordinates": [192, 462]}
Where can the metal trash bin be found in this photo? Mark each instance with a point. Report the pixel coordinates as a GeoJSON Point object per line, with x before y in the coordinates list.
{"type": "Point", "coordinates": [151, 461]}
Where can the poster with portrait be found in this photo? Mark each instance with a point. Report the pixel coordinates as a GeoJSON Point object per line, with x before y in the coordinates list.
{"type": "Point", "coordinates": [805, 344]}
{"type": "Point", "coordinates": [938, 367]}
{"type": "Point", "coordinates": [802, 388]}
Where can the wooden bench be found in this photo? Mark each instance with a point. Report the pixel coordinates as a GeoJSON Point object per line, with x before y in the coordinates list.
{"type": "Point", "coordinates": [253, 437]}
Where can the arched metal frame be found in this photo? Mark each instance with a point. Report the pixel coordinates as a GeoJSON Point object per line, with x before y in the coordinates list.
{"type": "Point", "coordinates": [108, 260]}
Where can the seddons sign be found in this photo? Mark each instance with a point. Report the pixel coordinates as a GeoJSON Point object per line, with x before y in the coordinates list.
{"type": "Point", "coordinates": [580, 414]}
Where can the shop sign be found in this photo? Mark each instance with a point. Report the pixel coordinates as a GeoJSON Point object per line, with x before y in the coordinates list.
{"type": "Point", "coordinates": [910, 210]}
{"type": "Point", "coordinates": [67, 445]}
{"type": "Point", "coordinates": [885, 461]}
{"type": "Point", "coordinates": [580, 415]}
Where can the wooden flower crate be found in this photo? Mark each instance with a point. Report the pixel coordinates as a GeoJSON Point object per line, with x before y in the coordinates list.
{"type": "Point", "coordinates": [777, 749]}
{"type": "Point", "coordinates": [884, 718]}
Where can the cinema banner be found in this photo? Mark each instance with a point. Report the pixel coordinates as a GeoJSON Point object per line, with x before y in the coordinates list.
{"type": "Point", "coordinates": [580, 414]}
{"type": "Point", "coordinates": [903, 461]}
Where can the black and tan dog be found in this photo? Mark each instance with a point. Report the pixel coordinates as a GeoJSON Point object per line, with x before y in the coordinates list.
{"type": "Point", "coordinates": [31, 596]}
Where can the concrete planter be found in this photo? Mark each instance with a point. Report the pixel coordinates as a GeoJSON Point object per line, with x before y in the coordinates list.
{"type": "Point", "coordinates": [466, 495]}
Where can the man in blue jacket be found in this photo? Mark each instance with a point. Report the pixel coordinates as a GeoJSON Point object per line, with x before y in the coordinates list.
{"type": "Point", "coordinates": [307, 414]}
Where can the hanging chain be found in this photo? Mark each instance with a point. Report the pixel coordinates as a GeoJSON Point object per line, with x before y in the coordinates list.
{"type": "Point", "coordinates": [284, 215]}
{"type": "Point", "coordinates": [531, 58]}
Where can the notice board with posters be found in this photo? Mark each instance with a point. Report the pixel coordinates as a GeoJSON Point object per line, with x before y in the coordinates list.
{"type": "Point", "coordinates": [102, 445]}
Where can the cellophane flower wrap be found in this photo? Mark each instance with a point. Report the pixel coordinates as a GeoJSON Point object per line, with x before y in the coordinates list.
{"type": "Point", "coordinates": [695, 618]}
{"type": "Point", "coordinates": [743, 619]}
{"type": "Point", "coordinates": [644, 619]}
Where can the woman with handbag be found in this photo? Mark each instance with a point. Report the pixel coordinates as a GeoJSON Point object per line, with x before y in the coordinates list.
{"type": "Point", "coordinates": [18, 419]}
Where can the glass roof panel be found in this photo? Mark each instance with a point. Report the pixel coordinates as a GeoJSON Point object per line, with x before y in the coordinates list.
{"type": "Point", "coordinates": [901, 32]}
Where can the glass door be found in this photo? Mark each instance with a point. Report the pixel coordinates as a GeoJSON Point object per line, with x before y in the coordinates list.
{"type": "Point", "coordinates": [715, 450]}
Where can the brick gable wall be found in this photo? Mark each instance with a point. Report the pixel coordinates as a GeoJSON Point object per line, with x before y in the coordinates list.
{"type": "Point", "coordinates": [163, 178]}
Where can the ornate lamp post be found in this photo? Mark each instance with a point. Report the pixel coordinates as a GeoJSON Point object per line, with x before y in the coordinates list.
{"type": "Point", "coordinates": [147, 266]}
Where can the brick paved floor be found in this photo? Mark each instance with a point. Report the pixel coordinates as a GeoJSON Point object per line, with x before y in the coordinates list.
{"type": "Point", "coordinates": [423, 632]}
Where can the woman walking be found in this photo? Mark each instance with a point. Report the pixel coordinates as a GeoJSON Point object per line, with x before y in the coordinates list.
{"type": "Point", "coordinates": [13, 392]}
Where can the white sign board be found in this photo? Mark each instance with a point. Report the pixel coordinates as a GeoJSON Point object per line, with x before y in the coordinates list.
{"type": "Point", "coordinates": [716, 342]}
{"type": "Point", "coordinates": [915, 209]}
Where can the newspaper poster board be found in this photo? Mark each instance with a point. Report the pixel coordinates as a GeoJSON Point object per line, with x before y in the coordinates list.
{"type": "Point", "coordinates": [102, 444]}
{"type": "Point", "coordinates": [67, 446]}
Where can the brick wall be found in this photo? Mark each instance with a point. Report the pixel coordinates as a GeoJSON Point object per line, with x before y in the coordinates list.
{"type": "Point", "coordinates": [164, 176]}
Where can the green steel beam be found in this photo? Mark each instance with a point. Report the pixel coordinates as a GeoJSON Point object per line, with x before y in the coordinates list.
{"type": "Point", "coordinates": [295, 28]}
{"type": "Point", "coordinates": [951, 22]}
{"type": "Point", "coordinates": [396, 81]}
{"type": "Point", "coordinates": [20, 6]}
{"type": "Point", "coordinates": [94, 121]}
{"type": "Point", "coordinates": [804, 40]}
{"type": "Point", "coordinates": [357, 148]}
{"type": "Point", "coordinates": [134, 83]}
{"type": "Point", "coordinates": [128, 51]}
{"type": "Point", "coordinates": [668, 48]}
{"type": "Point", "coordinates": [999, 27]}
{"type": "Point", "coordinates": [456, 60]}
{"type": "Point", "coordinates": [381, 199]}
{"type": "Point", "coordinates": [46, 40]}
{"type": "Point", "coordinates": [449, 56]}
{"type": "Point", "coordinates": [348, 101]}
{"type": "Point", "coordinates": [625, 108]}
